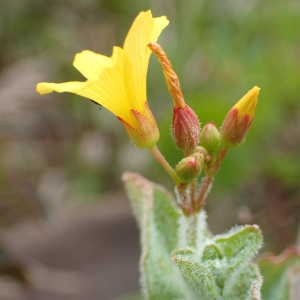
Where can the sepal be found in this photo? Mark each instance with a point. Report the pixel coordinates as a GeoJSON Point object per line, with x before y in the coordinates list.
{"type": "Point", "coordinates": [143, 131]}
{"type": "Point", "coordinates": [234, 130]}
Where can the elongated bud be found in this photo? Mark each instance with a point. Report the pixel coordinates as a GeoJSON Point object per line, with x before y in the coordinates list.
{"type": "Point", "coordinates": [210, 137]}
{"type": "Point", "coordinates": [185, 126]}
{"type": "Point", "coordinates": [185, 129]}
{"type": "Point", "coordinates": [237, 122]}
{"type": "Point", "coordinates": [190, 167]}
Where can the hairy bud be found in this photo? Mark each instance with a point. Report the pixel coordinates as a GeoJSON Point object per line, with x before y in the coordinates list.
{"type": "Point", "coordinates": [237, 122]}
{"type": "Point", "coordinates": [190, 167]}
{"type": "Point", "coordinates": [185, 126]}
{"type": "Point", "coordinates": [210, 137]}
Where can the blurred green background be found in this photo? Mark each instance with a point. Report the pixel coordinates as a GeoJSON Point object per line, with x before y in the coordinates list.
{"type": "Point", "coordinates": [60, 148]}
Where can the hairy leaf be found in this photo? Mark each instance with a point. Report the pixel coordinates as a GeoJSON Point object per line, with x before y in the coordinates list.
{"type": "Point", "coordinates": [158, 221]}
{"type": "Point", "coordinates": [197, 281]}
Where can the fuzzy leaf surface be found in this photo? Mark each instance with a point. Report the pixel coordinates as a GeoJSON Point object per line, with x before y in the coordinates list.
{"type": "Point", "coordinates": [197, 281]}
{"type": "Point", "coordinates": [244, 285]}
{"type": "Point", "coordinates": [236, 250]}
{"type": "Point", "coordinates": [157, 217]}
{"type": "Point", "coordinates": [223, 270]}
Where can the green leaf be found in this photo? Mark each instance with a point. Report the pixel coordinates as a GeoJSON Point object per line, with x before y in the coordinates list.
{"type": "Point", "coordinates": [278, 272]}
{"type": "Point", "coordinates": [198, 281]}
{"type": "Point", "coordinates": [245, 285]}
{"type": "Point", "coordinates": [240, 244]}
{"type": "Point", "coordinates": [223, 270]}
{"type": "Point", "coordinates": [220, 271]}
{"type": "Point", "coordinates": [211, 252]}
{"type": "Point", "coordinates": [140, 192]}
{"type": "Point", "coordinates": [158, 218]}
{"type": "Point", "coordinates": [165, 217]}
{"type": "Point", "coordinates": [236, 248]}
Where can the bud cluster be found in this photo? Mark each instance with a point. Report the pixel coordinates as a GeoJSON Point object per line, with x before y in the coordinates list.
{"type": "Point", "coordinates": [214, 143]}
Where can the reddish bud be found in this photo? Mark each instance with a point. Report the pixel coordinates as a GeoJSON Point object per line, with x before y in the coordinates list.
{"type": "Point", "coordinates": [237, 122]}
{"type": "Point", "coordinates": [185, 128]}
{"type": "Point", "coordinates": [234, 130]}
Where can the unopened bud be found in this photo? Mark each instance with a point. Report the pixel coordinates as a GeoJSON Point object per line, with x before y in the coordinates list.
{"type": "Point", "coordinates": [190, 167]}
{"type": "Point", "coordinates": [210, 137]}
{"type": "Point", "coordinates": [237, 122]}
{"type": "Point", "coordinates": [185, 126]}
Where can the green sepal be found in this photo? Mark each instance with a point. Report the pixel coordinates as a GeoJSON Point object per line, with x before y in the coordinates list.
{"type": "Point", "coordinates": [158, 218]}
{"type": "Point", "coordinates": [278, 273]}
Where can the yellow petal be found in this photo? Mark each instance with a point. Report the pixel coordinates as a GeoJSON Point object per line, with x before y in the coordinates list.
{"type": "Point", "coordinates": [246, 106]}
{"type": "Point", "coordinates": [91, 64]}
{"type": "Point", "coordinates": [136, 57]}
{"type": "Point", "coordinates": [159, 24]}
{"type": "Point", "coordinates": [107, 89]}
{"type": "Point", "coordinates": [73, 86]}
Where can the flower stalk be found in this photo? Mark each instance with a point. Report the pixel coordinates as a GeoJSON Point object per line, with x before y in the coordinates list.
{"type": "Point", "coordinates": [163, 162]}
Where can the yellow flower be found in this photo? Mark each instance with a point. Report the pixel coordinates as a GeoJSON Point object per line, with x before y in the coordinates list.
{"type": "Point", "coordinates": [119, 82]}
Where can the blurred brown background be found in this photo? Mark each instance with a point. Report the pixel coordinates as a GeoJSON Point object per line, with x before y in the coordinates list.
{"type": "Point", "coordinates": [66, 224]}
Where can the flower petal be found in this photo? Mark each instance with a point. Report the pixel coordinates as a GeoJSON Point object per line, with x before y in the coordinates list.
{"type": "Point", "coordinates": [91, 64]}
{"type": "Point", "coordinates": [144, 29]}
{"type": "Point", "coordinates": [106, 89]}
{"type": "Point", "coordinates": [73, 86]}
{"type": "Point", "coordinates": [159, 24]}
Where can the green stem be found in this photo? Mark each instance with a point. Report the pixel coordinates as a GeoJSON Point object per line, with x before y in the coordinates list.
{"type": "Point", "coordinates": [159, 157]}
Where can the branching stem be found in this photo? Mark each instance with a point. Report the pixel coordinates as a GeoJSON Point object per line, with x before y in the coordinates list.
{"type": "Point", "coordinates": [207, 181]}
